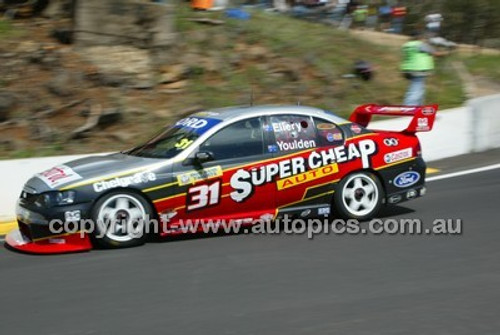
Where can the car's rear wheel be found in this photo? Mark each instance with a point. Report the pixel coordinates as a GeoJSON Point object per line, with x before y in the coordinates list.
{"type": "Point", "coordinates": [120, 219]}
{"type": "Point", "coordinates": [358, 196]}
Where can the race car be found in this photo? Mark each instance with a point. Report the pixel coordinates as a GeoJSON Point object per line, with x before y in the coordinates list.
{"type": "Point", "coordinates": [238, 164]}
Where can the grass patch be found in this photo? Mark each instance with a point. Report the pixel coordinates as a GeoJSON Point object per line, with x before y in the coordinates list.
{"type": "Point", "coordinates": [487, 66]}
{"type": "Point", "coordinates": [311, 48]}
{"type": "Point", "coordinates": [7, 30]}
{"type": "Point", "coordinates": [445, 87]}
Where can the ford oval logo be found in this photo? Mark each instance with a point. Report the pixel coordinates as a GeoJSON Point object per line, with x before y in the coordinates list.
{"type": "Point", "coordinates": [406, 179]}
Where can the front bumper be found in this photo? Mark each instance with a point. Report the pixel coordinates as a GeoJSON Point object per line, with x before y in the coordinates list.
{"type": "Point", "coordinates": [59, 244]}
{"type": "Point", "coordinates": [36, 234]}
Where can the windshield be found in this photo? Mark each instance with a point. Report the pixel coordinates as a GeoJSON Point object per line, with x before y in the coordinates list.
{"type": "Point", "coordinates": [175, 139]}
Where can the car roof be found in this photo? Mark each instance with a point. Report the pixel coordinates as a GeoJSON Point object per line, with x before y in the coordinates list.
{"type": "Point", "coordinates": [229, 113]}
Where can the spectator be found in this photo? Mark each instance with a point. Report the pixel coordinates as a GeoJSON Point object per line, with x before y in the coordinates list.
{"type": "Point", "coordinates": [360, 14]}
{"type": "Point", "coordinates": [371, 20]}
{"type": "Point", "coordinates": [433, 23]}
{"type": "Point", "coordinates": [384, 14]}
{"type": "Point", "coordinates": [398, 13]}
{"type": "Point", "coordinates": [347, 19]}
{"type": "Point", "coordinates": [416, 65]}
{"type": "Point", "coordinates": [351, 6]}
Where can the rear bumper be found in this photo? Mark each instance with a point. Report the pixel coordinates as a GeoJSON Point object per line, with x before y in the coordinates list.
{"type": "Point", "coordinates": [397, 193]}
{"type": "Point", "coordinates": [406, 195]}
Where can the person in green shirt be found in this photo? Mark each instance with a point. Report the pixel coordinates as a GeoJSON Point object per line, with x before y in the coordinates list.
{"type": "Point", "coordinates": [360, 15]}
{"type": "Point", "coordinates": [416, 65]}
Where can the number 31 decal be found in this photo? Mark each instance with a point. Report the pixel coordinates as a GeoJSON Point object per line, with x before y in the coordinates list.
{"type": "Point", "coordinates": [203, 196]}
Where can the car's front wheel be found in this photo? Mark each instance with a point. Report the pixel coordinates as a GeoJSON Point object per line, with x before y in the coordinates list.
{"type": "Point", "coordinates": [120, 219]}
{"type": "Point", "coordinates": [358, 196]}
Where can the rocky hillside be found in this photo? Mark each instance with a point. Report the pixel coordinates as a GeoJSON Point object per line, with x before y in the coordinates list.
{"type": "Point", "coordinates": [58, 99]}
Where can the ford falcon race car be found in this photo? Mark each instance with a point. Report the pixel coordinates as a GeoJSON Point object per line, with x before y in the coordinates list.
{"type": "Point", "coordinates": [237, 164]}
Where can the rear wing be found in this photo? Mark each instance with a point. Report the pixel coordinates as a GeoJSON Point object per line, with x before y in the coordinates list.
{"type": "Point", "coordinates": [422, 116]}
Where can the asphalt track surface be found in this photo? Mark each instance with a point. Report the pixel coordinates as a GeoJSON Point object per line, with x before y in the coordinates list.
{"type": "Point", "coordinates": [244, 284]}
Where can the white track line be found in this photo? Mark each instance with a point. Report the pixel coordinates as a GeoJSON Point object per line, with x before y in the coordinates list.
{"type": "Point", "coordinates": [465, 172]}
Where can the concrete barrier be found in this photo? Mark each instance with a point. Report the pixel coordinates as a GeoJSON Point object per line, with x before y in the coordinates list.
{"type": "Point", "coordinates": [472, 128]}
{"type": "Point", "coordinates": [15, 173]}
{"type": "Point", "coordinates": [485, 122]}
{"type": "Point", "coordinates": [451, 136]}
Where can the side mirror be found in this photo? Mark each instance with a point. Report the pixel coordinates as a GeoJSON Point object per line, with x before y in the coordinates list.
{"type": "Point", "coordinates": [203, 156]}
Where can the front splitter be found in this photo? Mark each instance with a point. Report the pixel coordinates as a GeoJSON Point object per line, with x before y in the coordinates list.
{"type": "Point", "coordinates": [60, 244]}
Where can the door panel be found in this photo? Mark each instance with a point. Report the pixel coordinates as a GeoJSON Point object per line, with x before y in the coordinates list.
{"type": "Point", "coordinates": [302, 145]}
{"type": "Point", "coordinates": [224, 189]}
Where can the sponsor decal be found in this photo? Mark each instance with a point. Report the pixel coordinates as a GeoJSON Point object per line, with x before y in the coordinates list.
{"type": "Point", "coordinates": [293, 135]}
{"type": "Point", "coordinates": [396, 109]}
{"type": "Point", "coordinates": [268, 127]}
{"type": "Point", "coordinates": [411, 194]}
{"type": "Point", "coordinates": [332, 137]}
{"type": "Point", "coordinates": [422, 123]}
{"type": "Point", "coordinates": [203, 196]}
{"type": "Point", "coordinates": [397, 156]}
{"type": "Point", "coordinates": [138, 178]}
{"type": "Point", "coordinates": [307, 176]}
{"type": "Point", "coordinates": [395, 199]}
{"type": "Point", "coordinates": [325, 126]}
{"type": "Point", "coordinates": [72, 216]}
{"type": "Point", "coordinates": [296, 145]}
{"type": "Point", "coordinates": [244, 181]}
{"type": "Point", "coordinates": [194, 176]}
{"type": "Point", "coordinates": [428, 111]}
{"type": "Point", "coordinates": [287, 127]}
{"type": "Point", "coordinates": [391, 142]}
{"type": "Point", "coordinates": [57, 241]}
{"type": "Point", "coordinates": [58, 175]}
{"type": "Point", "coordinates": [305, 213]}
{"type": "Point", "coordinates": [272, 148]}
{"type": "Point", "coordinates": [356, 128]}
{"type": "Point", "coordinates": [406, 179]}
{"type": "Point", "coordinates": [324, 211]}
{"type": "Point", "coordinates": [197, 124]}
{"type": "Point", "coordinates": [183, 143]}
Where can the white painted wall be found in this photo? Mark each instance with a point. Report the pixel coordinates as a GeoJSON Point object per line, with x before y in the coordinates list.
{"type": "Point", "coordinates": [451, 135]}
{"type": "Point", "coordinates": [16, 172]}
{"type": "Point", "coordinates": [485, 116]}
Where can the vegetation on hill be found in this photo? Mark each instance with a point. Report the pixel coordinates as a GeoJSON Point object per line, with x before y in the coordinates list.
{"type": "Point", "coordinates": [274, 58]}
{"type": "Point", "coordinates": [320, 56]}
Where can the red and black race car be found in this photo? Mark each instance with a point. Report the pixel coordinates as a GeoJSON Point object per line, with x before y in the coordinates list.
{"type": "Point", "coordinates": [237, 164]}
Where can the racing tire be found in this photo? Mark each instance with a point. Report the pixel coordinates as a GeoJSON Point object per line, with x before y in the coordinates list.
{"type": "Point", "coordinates": [120, 219]}
{"type": "Point", "coordinates": [358, 196]}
